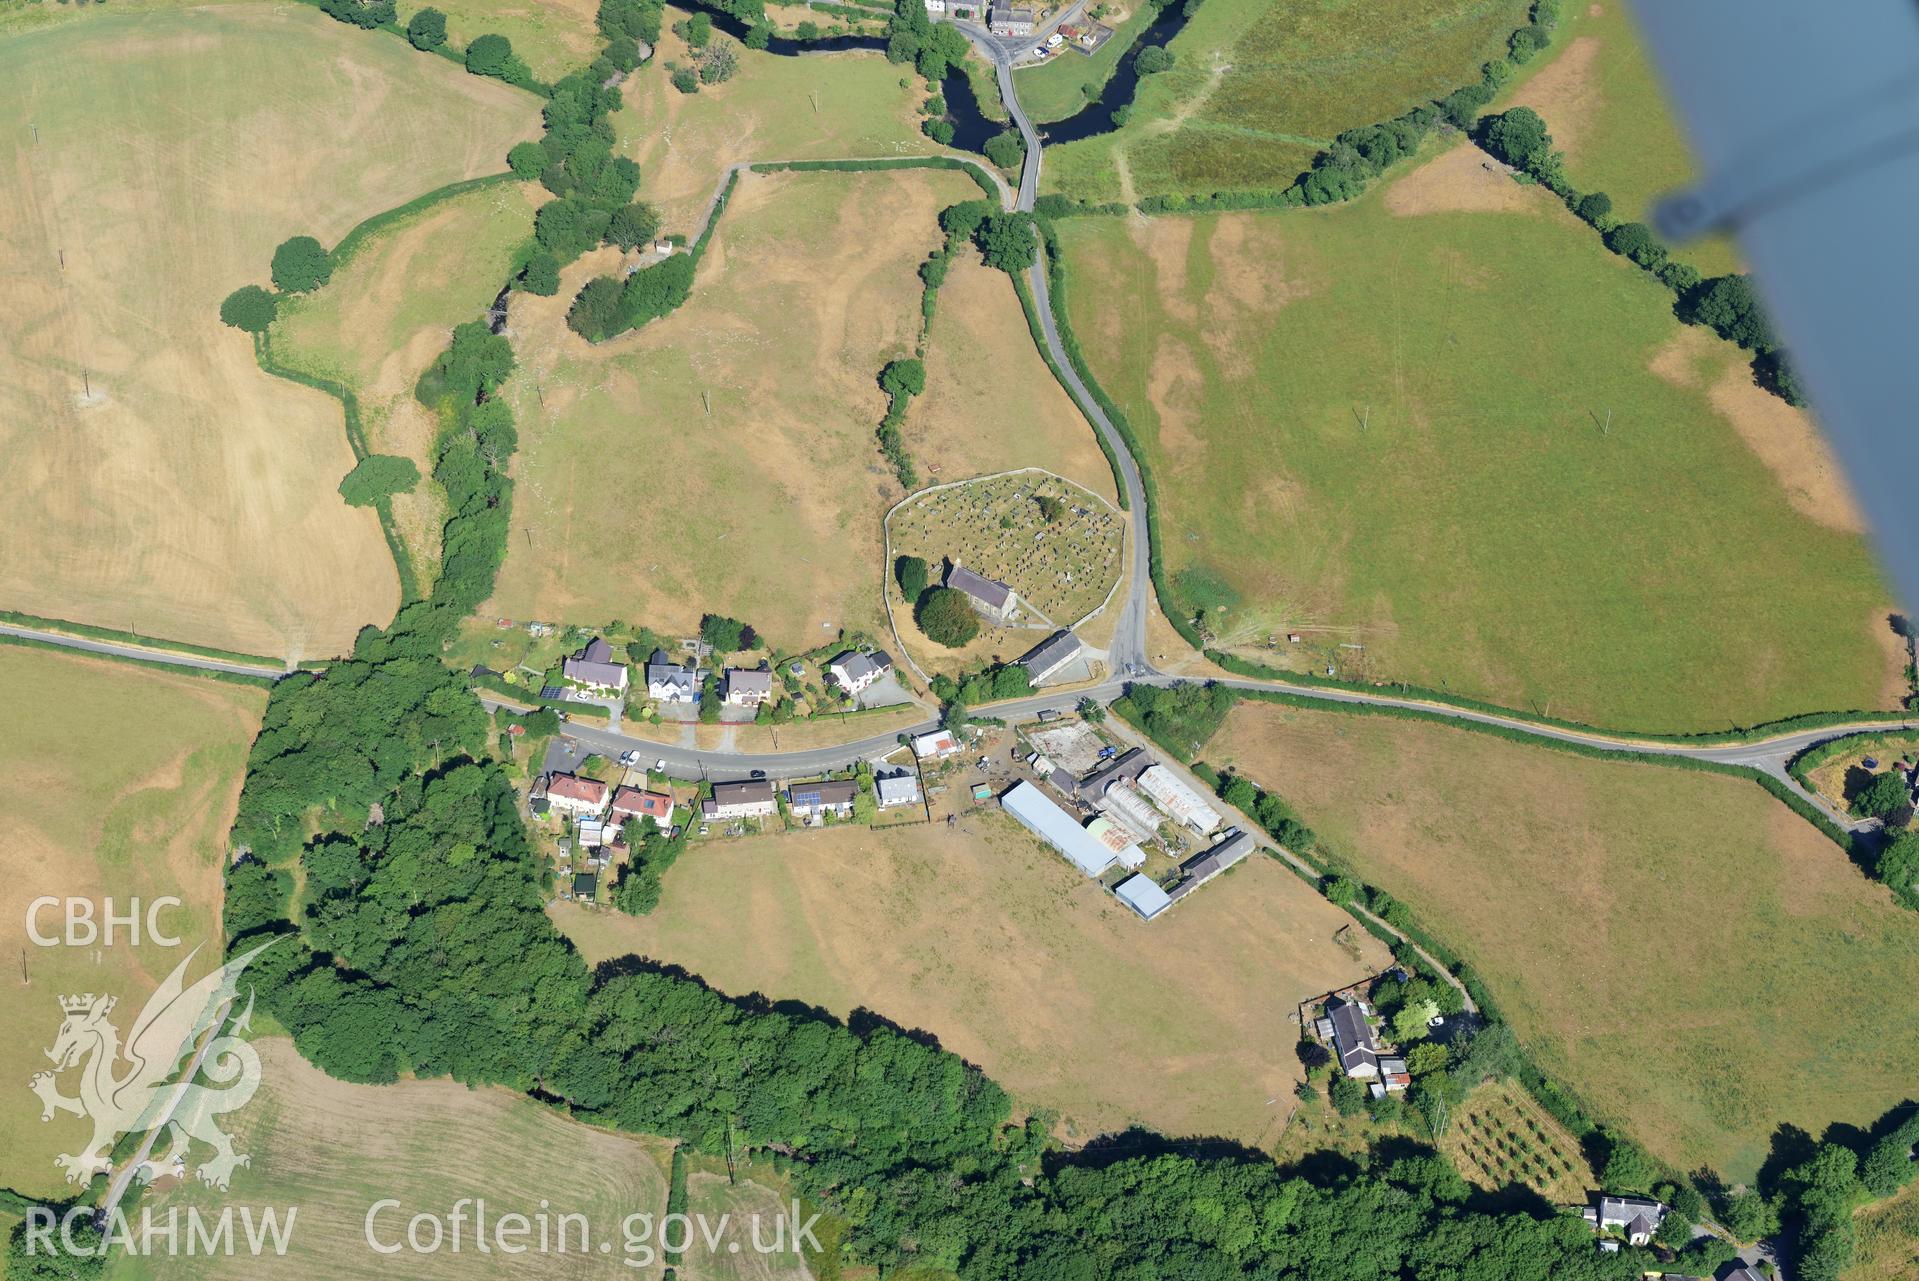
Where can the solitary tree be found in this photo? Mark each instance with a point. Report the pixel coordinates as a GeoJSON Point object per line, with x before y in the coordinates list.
{"type": "Point", "coordinates": [1153, 59]}
{"type": "Point", "coordinates": [250, 308]}
{"type": "Point", "coordinates": [1594, 207]}
{"type": "Point", "coordinates": [301, 264]}
{"type": "Point", "coordinates": [427, 30]}
{"type": "Point", "coordinates": [488, 55]}
{"type": "Point", "coordinates": [947, 618]}
{"type": "Point", "coordinates": [1004, 149]}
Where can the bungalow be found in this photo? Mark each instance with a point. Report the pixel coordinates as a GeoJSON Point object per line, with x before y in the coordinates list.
{"type": "Point", "coordinates": [1634, 1217]}
{"type": "Point", "coordinates": [827, 796]}
{"type": "Point", "coordinates": [1050, 655]}
{"type": "Point", "coordinates": [571, 794]}
{"type": "Point", "coordinates": [669, 682]}
{"type": "Point", "coordinates": [991, 598]}
{"type": "Point", "coordinates": [634, 802]}
{"type": "Point", "coordinates": [748, 688]}
{"type": "Point", "coordinates": [854, 671]}
{"type": "Point", "coordinates": [740, 800]}
{"type": "Point", "coordinates": [586, 886]}
{"type": "Point", "coordinates": [899, 788]}
{"type": "Point", "coordinates": [1353, 1043]}
{"type": "Point", "coordinates": [594, 669]}
{"type": "Point", "coordinates": [938, 743]}
{"type": "Point", "coordinates": [1178, 800]}
{"type": "Point", "coordinates": [1008, 21]}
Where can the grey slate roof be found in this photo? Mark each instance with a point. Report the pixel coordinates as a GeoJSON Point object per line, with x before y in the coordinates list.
{"type": "Point", "coordinates": [987, 591]}
{"type": "Point", "coordinates": [1051, 654]}
{"type": "Point", "coordinates": [822, 792]}
{"type": "Point", "coordinates": [1352, 1035]}
{"type": "Point", "coordinates": [1128, 765]}
{"type": "Point", "coordinates": [755, 791]}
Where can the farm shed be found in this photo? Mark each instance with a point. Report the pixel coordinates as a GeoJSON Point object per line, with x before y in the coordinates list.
{"type": "Point", "coordinates": [1179, 800]}
{"type": "Point", "coordinates": [1143, 895]}
{"type": "Point", "coordinates": [1056, 827]}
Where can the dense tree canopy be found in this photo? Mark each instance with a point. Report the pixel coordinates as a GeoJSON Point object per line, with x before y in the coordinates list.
{"type": "Point", "coordinates": [378, 476]}
{"type": "Point", "coordinates": [1728, 305]}
{"type": "Point", "coordinates": [911, 574]}
{"type": "Point", "coordinates": [947, 617]}
{"type": "Point", "coordinates": [250, 308]}
{"type": "Point", "coordinates": [427, 29]}
{"type": "Point", "coordinates": [301, 263]}
{"type": "Point", "coordinates": [1008, 241]}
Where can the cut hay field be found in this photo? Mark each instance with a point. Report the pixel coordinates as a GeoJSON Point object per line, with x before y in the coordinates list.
{"type": "Point", "coordinates": [555, 37]}
{"type": "Point", "coordinates": [1688, 955]}
{"type": "Point", "coordinates": [121, 782]}
{"type": "Point", "coordinates": [1259, 86]}
{"type": "Point", "coordinates": [634, 502]}
{"type": "Point", "coordinates": [334, 1149]}
{"type": "Point", "coordinates": [991, 942]}
{"type": "Point", "coordinates": [385, 316]}
{"type": "Point", "coordinates": [152, 478]}
{"type": "Point", "coordinates": [847, 105]}
{"type": "Point", "coordinates": [1607, 110]}
{"type": "Point", "coordinates": [1446, 437]}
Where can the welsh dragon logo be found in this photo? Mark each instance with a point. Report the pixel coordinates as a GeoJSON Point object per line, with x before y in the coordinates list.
{"type": "Point", "coordinates": [125, 1087]}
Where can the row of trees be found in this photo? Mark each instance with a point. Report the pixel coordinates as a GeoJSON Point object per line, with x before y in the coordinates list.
{"type": "Point", "coordinates": [901, 380]}
{"type": "Point", "coordinates": [1725, 304]}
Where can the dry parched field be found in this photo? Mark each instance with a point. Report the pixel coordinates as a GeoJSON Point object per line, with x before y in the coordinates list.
{"type": "Point", "coordinates": [151, 477]}
{"type": "Point", "coordinates": [385, 316]}
{"type": "Point", "coordinates": [1474, 451]}
{"type": "Point", "coordinates": [121, 782]}
{"type": "Point", "coordinates": [333, 1150]}
{"type": "Point", "coordinates": [994, 944]}
{"type": "Point", "coordinates": [1691, 957]}
{"type": "Point", "coordinates": [723, 459]}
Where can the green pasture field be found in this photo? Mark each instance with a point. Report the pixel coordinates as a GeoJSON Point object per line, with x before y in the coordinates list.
{"type": "Point", "coordinates": [1689, 956]}
{"type": "Point", "coordinates": [386, 315]}
{"type": "Point", "coordinates": [122, 782]}
{"type": "Point", "coordinates": [1607, 110]}
{"type": "Point", "coordinates": [1888, 1239]}
{"type": "Point", "coordinates": [555, 37]}
{"type": "Point", "coordinates": [847, 105]}
{"type": "Point", "coordinates": [1446, 438]}
{"type": "Point", "coordinates": [1258, 87]}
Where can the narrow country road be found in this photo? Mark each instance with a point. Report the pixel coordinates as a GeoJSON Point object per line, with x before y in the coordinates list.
{"type": "Point", "coordinates": [116, 649]}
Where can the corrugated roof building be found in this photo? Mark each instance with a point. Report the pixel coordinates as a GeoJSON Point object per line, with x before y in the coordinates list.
{"type": "Point", "coordinates": [1179, 800]}
{"type": "Point", "coordinates": [1143, 895]}
{"type": "Point", "coordinates": [1056, 827]}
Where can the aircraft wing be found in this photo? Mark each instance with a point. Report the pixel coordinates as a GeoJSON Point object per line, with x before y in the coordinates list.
{"type": "Point", "coordinates": [1805, 120]}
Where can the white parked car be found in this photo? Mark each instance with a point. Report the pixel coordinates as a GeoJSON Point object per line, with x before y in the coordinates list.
{"type": "Point", "coordinates": [660, 765]}
{"type": "Point", "coordinates": [1055, 40]}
